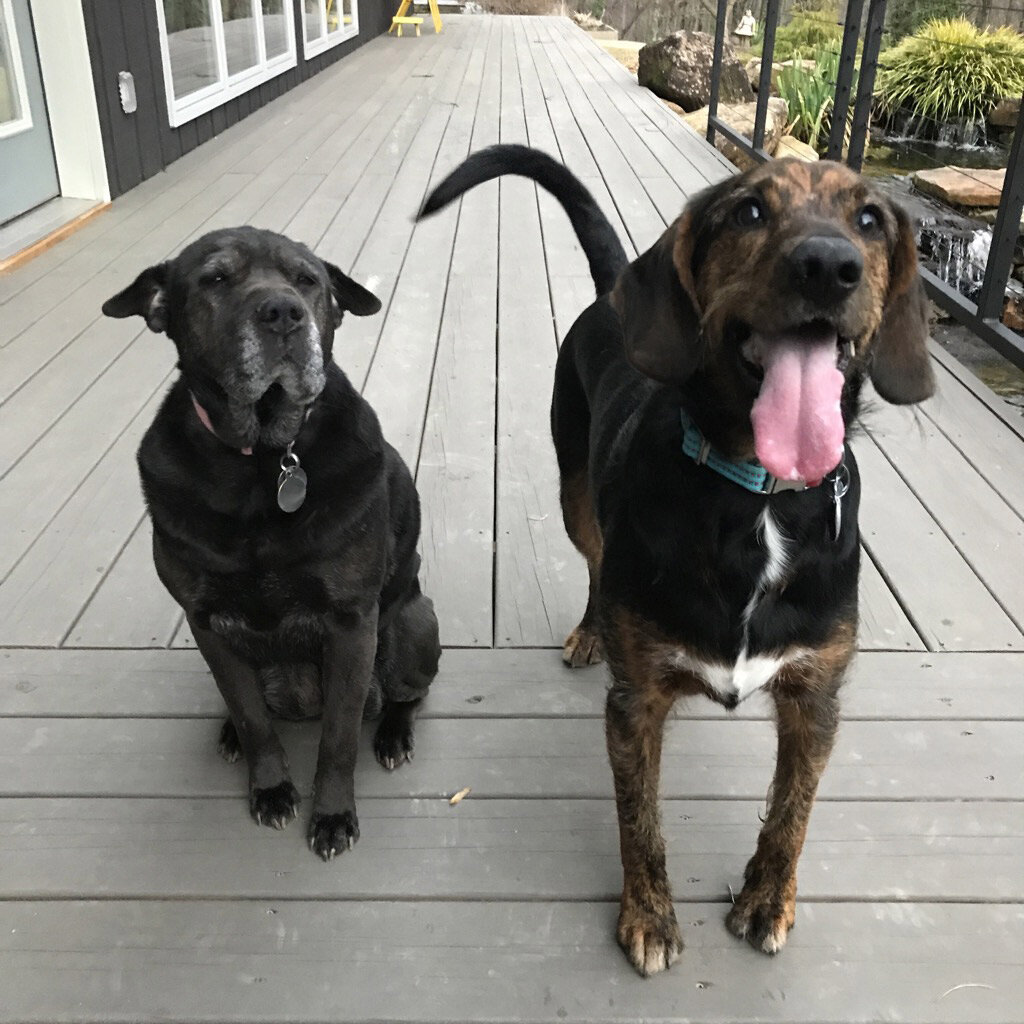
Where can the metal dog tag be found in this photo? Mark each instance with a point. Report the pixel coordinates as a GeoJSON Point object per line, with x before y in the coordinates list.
{"type": "Point", "coordinates": [291, 484]}
{"type": "Point", "coordinates": [840, 485]}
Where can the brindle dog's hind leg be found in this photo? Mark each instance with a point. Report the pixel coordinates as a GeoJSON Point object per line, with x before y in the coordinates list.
{"type": "Point", "coordinates": [570, 427]}
{"type": "Point", "coordinates": [807, 707]}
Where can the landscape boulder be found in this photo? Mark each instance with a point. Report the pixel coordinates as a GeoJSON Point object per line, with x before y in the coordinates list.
{"type": "Point", "coordinates": [1005, 113]}
{"type": "Point", "coordinates": [962, 186]}
{"type": "Point", "coordinates": [678, 68]}
{"type": "Point", "coordinates": [740, 117]}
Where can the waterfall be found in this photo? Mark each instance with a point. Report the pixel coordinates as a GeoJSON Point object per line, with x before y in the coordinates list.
{"type": "Point", "coordinates": [958, 256]}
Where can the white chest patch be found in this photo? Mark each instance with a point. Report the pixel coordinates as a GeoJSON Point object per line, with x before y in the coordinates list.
{"type": "Point", "coordinates": [749, 673]}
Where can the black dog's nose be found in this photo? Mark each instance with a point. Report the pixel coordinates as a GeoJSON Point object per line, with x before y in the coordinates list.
{"type": "Point", "coordinates": [280, 313]}
{"type": "Point", "coordinates": [826, 268]}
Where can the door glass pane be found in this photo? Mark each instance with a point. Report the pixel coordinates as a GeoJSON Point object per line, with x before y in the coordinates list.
{"type": "Point", "coordinates": [275, 28]}
{"type": "Point", "coordinates": [10, 100]}
{"type": "Point", "coordinates": [239, 35]}
{"type": "Point", "coordinates": [347, 20]}
{"type": "Point", "coordinates": [311, 16]}
{"type": "Point", "coordinates": [191, 45]}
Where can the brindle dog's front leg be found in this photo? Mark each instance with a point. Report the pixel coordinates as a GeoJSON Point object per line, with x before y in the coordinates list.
{"type": "Point", "coordinates": [349, 651]}
{"type": "Point", "coordinates": [634, 720]}
{"type": "Point", "coordinates": [273, 800]}
{"type": "Point", "coordinates": [808, 716]}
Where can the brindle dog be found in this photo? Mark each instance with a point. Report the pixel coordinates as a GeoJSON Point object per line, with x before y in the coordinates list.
{"type": "Point", "coordinates": [700, 413]}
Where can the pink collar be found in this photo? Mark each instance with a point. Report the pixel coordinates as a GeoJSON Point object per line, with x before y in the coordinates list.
{"type": "Point", "coordinates": [204, 418]}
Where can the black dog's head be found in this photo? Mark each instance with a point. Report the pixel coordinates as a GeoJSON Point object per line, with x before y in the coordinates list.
{"type": "Point", "coordinates": [253, 316]}
{"type": "Point", "coordinates": [771, 297]}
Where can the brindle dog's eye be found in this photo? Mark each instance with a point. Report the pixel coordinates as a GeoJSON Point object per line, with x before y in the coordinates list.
{"type": "Point", "coordinates": [869, 220]}
{"type": "Point", "coordinates": [750, 214]}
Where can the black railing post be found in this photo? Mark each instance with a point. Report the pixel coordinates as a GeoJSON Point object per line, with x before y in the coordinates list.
{"type": "Point", "coordinates": [866, 83]}
{"type": "Point", "coordinates": [844, 79]}
{"type": "Point", "coordinates": [1005, 229]}
{"type": "Point", "coordinates": [764, 84]}
{"type": "Point", "coordinates": [716, 66]}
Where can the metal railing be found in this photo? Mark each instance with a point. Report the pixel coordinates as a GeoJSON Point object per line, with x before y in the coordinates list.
{"type": "Point", "coordinates": [982, 317]}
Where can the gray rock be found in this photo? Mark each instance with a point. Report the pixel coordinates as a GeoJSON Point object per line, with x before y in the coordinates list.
{"type": "Point", "coordinates": [678, 68]}
{"type": "Point", "coordinates": [1005, 113]}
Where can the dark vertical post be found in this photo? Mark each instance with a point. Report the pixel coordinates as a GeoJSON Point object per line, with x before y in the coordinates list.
{"type": "Point", "coordinates": [764, 84]}
{"type": "Point", "coordinates": [1005, 229]}
{"type": "Point", "coordinates": [844, 79]}
{"type": "Point", "coordinates": [866, 83]}
{"type": "Point", "coordinates": [716, 66]}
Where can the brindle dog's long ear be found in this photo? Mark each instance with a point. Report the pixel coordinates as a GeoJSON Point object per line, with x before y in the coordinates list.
{"type": "Point", "coordinates": [146, 296]}
{"type": "Point", "coordinates": [901, 368]}
{"type": "Point", "coordinates": [660, 325]}
{"type": "Point", "coordinates": [350, 295]}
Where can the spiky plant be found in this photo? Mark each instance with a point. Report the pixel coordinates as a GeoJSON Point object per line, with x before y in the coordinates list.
{"type": "Point", "coordinates": [951, 70]}
{"type": "Point", "coordinates": [809, 94]}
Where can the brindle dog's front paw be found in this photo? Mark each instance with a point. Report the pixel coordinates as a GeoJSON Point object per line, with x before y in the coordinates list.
{"type": "Point", "coordinates": [650, 940]}
{"type": "Point", "coordinates": [582, 647]}
{"type": "Point", "coordinates": [331, 834]}
{"type": "Point", "coordinates": [763, 915]}
{"type": "Point", "coordinates": [274, 806]}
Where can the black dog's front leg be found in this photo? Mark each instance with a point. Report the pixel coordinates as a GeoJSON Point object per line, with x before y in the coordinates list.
{"type": "Point", "coordinates": [273, 800]}
{"type": "Point", "coordinates": [349, 651]}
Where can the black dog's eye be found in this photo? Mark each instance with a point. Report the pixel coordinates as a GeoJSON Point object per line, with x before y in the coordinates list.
{"type": "Point", "coordinates": [869, 220]}
{"type": "Point", "coordinates": [213, 277]}
{"type": "Point", "coordinates": [750, 214]}
{"type": "Point", "coordinates": [304, 280]}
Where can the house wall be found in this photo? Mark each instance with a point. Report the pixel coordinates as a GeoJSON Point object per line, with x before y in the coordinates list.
{"type": "Point", "coordinates": [125, 37]}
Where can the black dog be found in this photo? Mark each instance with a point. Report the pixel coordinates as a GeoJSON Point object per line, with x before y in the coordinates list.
{"type": "Point", "coordinates": [699, 416]}
{"type": "Point", "coordinates": [284, 524]}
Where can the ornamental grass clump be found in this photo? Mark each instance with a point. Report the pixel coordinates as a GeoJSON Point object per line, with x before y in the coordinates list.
{"type": "Point", "coordinates": [951, 70]}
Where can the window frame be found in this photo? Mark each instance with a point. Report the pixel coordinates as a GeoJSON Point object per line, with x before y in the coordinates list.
{"type": "Point", "coordinates": [327, 40]}
{"type": "Point", "coordinates": [23, 123]}
{"type": "Point", "coordinates": [227, 86]}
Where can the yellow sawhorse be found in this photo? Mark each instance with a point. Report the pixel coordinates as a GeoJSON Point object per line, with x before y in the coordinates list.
{"type": "Point", "coordinates": [400, 18]}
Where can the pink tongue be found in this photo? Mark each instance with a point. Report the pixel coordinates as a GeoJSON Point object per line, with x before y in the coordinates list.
{"type": "Point", "coordinates": [798, 427]}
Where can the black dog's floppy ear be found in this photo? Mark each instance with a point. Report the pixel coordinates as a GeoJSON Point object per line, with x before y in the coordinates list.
{"type": "Point", "coordinates": [351, 296]}
{"type": "Point", "coordinates": [901, 368]}
{"type": "Point", "coordinates": [146, 296]}
{"type": "Point", "coordinates": [660, 323]}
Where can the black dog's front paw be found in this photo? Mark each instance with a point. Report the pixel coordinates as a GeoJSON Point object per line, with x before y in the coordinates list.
{"type": "Point", "coordinates": [330, 834]}
{"type": "Point", "coordinates": [274, 806]}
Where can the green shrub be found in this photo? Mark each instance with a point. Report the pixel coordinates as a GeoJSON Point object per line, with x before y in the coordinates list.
{"type": "Point", "coordinates": [809, 30]}
{"type": "Point", "coordinates": [951, 70]}
{"type": "Point", "coordinates": [905, 17]}
{"type": "Point", "coordinates": [809, 93]}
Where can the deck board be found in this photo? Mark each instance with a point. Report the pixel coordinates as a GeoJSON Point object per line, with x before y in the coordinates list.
{"type": "Point", "coordinates": [134, 885]}
{"type": "Point", "coordinates": [319, 961]}
{"type": "Point", "coordinates": [703, 759]}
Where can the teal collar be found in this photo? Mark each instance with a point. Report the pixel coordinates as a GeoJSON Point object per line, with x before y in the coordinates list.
{"type": "Point", "coordinates": [750, 475]}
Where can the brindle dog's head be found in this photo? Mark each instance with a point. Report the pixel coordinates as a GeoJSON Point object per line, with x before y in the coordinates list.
{"type": "Point", "coordinates": [788, 258]}
{"type": "Point", "coordinates": [253, 316]}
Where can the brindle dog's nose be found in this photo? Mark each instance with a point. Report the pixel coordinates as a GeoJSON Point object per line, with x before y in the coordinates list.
{"type": "Point", "coordinates": [280, 314]}
{"type": "Point", "coordinates": [826, 268]}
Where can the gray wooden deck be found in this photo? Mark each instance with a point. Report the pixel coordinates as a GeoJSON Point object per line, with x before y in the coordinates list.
{"type": "Point", "coordinates": [133, 886]}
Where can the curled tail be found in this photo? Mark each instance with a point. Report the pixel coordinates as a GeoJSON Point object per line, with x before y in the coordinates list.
{"type": "Point", "coordinates": [600, 244]}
